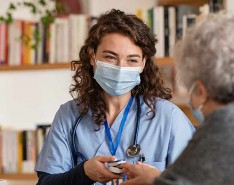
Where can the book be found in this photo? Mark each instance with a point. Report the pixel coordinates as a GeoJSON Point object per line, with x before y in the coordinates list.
{"type": "Point", "coordinates": [188, 21]}
{"type": "Point", "coordinates": [15, 32]}
{"type": "Point", "coordinates": [78, 30]}
{"type": "Point", "coordinates": [172, 29]}
{"type": "Point", "coordinates": [228, 5]}
{"type": "Point", "coordinates": [41, 132]}
{"type": "Point", "coordinates": [182, 10]}
{"type": "Point", "coordinates": [158, 29]}
{"type": "Point", "coordinates": [62, 40]}
{"type": "Point", "coordinates": [216, 5]}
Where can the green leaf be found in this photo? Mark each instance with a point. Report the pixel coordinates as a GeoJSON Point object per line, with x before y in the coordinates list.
{"type": "Point", "coordinates": [48, 18]}
{"type": "Point", "coordinates": [9, 18]}
{"type": "Point", "coordinates": [59, 6]}
{"type": "Point", "coordinates": [12, 6]}
{"type": "Point", "coordinates": [36, 35]}
{"type": "Point", "coordinates": [32, 6]}
{"type": "Point", "coordinates": [34, 10]}
{"type": "Point", "coordinates": [2, 19]}
{"type": "Point", "coordinates": [48, 34]}
{"type": "Point", "coordinates": [42, 2]}
{"type": "Point", "coordinates": [27, 40]}
{"type": "Point", "coordinates": [34, 46]}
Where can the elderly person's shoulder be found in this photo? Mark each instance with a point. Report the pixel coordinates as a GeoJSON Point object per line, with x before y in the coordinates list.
{"type": "Point", "coordinates": [207, 157]}
{"type": "Point", "coordinates": [222, 117]}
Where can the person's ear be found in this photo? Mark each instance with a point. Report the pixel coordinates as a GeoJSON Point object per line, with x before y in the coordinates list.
{"type": "Point", "coordinates": [200, 91]}
{"type": "Point", "coordinates": [91, 56]}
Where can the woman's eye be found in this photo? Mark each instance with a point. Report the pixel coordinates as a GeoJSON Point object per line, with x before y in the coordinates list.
{"type": "Point", "coordinates": [110, 57]}
{"type": "Point", "coordinates": [133, 61]}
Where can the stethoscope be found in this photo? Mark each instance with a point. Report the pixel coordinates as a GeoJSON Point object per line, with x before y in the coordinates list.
{"type": "Point", "coordinates": [132, 151]}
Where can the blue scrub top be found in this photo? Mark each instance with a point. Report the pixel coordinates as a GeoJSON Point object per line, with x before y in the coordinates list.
{"type": "Point", "coordinates": [162, 138]}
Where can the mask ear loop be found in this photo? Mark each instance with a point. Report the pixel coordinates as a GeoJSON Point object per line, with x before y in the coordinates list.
{"type": "Point", "coordinates": [94, 56]}
{"type": "Point", "coordinates": [202, 104]}
{"type": "Point", "coordinates": [92, 59]}
{"type": "Point", "coordinates": [191, 89]}
{"type": "Point", "coordinates": [200, 107]}
{"type": "Point", "coordinates": [143, 66]}
{"type": "Point", "coordinates": [190, 94]}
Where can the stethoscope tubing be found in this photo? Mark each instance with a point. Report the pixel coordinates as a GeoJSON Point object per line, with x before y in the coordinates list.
{"type": "Point", "coordinates": [138, 121]}
{"type": "Point", "coordinates": [75, 152]}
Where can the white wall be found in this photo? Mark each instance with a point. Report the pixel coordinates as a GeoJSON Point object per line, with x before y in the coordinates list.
{"type": "Point", "coordinates": [22, 12]}
{"type": "Point", "coordinates": [4, 5]}
{"type": "Point", "coordinates": [96, 7]}
{"type": "Point", "coordinates": [91, 7]}
{"type": "Point", "coordinates": [31, 97]}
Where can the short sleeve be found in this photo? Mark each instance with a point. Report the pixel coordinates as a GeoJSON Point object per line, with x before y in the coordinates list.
{"type": "Point", "coordinates": [182, 131]}
{"type": "Point", "coordinates": [55, 156]}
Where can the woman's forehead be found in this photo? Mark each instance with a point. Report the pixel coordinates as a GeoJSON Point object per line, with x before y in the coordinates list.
{"type": "Point", "coordinates": [119, 43]}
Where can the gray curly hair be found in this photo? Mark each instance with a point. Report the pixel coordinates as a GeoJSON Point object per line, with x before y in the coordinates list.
{"type": "Point", "coordinates": [207, 54]}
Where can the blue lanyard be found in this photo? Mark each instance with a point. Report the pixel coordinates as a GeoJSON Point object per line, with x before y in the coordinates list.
{"type": "Point", "coordinates": [113, 147]}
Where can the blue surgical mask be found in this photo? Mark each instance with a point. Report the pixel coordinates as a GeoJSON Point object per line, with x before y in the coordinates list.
{"type": "Point", "coordinates": [116, 80]}
{"type": "Point", "coordinates": [197, 113]}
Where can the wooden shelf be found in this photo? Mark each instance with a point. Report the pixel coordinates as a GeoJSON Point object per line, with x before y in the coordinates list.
{"type": "Point", "coordinates": [35, 67]}
{"type": "Point", "coordinates": [27, 176]}
{"type": "Point", "coordinates": [180, 100]}
{"type": "Point", "coordinates": [158, 61]}
{"type": "Point", "coordinates": [167, 61]}
{"type": "Point", "coordinates": [195, 3]}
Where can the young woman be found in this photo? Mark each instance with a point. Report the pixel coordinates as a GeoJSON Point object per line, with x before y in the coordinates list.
{"type": "Point", "coordinates": [120, 108]}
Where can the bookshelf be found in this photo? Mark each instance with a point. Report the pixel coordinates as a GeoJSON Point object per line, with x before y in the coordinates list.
{"type": "Point", "coordinates": [159, 61]}
{"type": "Point", "coordinates": [179, 100]}
{"type": "Point", "coordinates": [166, 61]}
{"type": "Point", "coordinates": [26, 176]}
{"type": "Point", "coordinates": [35, 67]}
{"type": "Point", "coordinates": [196, 3]}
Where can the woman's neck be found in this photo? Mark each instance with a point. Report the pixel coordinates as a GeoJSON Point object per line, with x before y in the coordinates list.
{"type": "Point", "coordinates": [114, 105]}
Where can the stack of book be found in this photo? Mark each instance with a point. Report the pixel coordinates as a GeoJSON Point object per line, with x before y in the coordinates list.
{"type": "Point", "coordinates": [24, 42]}
{"type": "Point", "coordinates": [19, 149]}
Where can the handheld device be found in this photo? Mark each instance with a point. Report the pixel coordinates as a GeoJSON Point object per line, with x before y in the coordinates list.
{"type": "Point", "coordinates": [114, 166]}
{"type": "Point", "coordinates": [117, 162]}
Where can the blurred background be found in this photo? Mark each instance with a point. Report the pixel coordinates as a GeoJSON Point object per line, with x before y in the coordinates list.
{"type": "Point", "coordinates": [39, 39]}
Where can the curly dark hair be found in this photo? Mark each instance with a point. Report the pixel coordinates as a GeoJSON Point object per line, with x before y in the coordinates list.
{"type": "Point", "coordinates": [87, 92]}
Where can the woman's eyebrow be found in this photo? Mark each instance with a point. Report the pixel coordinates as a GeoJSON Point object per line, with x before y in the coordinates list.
{"type": "Point", "coordinates": [134, 55]}
{"type": "Point", "coordinates": [113, 53]}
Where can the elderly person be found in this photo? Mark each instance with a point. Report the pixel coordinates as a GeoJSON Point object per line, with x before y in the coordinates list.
{"type": "Point", "coordinates": [205, 62]}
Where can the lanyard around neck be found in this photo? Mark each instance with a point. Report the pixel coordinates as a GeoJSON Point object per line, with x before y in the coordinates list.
{"type": "Point", "coordinates": [113, 147]}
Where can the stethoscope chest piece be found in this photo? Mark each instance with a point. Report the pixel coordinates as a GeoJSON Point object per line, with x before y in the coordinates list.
{"type": "Point", "coordinates": [133, 150]}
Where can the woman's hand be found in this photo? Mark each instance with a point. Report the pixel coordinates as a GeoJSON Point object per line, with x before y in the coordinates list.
{"type": "Point", "coordinates": [95, 169]}
{"type": "Point", "coordinates": [139, 174]}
